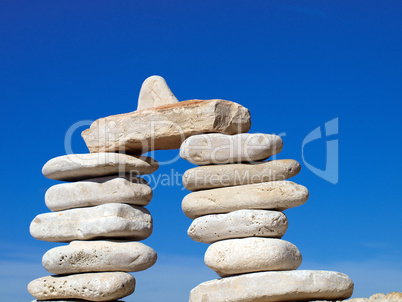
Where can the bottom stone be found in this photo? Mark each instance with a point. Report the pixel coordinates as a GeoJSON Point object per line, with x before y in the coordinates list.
{"type": "Point", "coordinates": [90, 287]}
{"type": "Point", "coordinates": [275, 286]}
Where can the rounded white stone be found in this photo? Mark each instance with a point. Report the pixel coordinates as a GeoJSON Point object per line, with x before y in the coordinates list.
{"type": "Point", "coordinates": [97, 191]}
{"type": "Point", "coordinates": [273, 195]}
{"type": "Point", "coordinates": [112, 220]}
{"type": "Point", "coordinates": [155, 92]}
{"type": "Point", "coordinates": [299, 285]}
{"type": "Point", "coordinates": [217, 176]}
{"type": "Point", "coordinates": [216, 148]}
{"type": "Point", "coordinates": [99, 256]}
{"type": "Point", "coordinates": [238, 224]}
{"type": "Point", "coordinates": [249, 255]}
{"type": "Point", "coordinates": [90, 286]}
{"type": "Point", "coordinates": [74, 167]}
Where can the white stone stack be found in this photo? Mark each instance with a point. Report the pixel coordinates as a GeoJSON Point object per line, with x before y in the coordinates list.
{"type": "Point", "coordinates": [237, 206]}
{"type": "Point", "coordinates": [100, 211]}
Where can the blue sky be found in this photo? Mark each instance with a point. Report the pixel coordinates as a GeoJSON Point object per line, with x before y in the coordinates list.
{"type": "Point", "coordinates": [295, 64]}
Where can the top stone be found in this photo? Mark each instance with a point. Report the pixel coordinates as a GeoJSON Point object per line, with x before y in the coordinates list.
{"type": "Point", "coordinates": [155, 92]}
{"type": "Point", "coordinates": [73, 167]}
{"type": "Point", "coordinates": [165, 127]}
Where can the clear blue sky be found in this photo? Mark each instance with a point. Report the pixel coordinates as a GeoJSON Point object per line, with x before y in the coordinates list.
{"type": "Point", "coordinates": [295, 64]}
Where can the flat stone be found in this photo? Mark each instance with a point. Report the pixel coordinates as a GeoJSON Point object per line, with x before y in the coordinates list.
{"type": "Point", "coordinates": [74, 167]}
{"type": "Point", "coordinates": [216, 148]}
{"type": "Point", "coordinates": [96, 191]}
{"type": "Point", "coordinates": [249, 255]}
{"type": "Point", "coordinates": [218, 176]}
{"type": "Point", "coordinates": [155, 92]}
{"type": "Point", "coordinates": [165, 127]}
{"type": "Point", "coordinates": [99, 256]}
{"type": "Point", "coordinates": [238, 224]}
{"type": "Point", "coordinates": [273, 195]}
{"type": "Point", "coordinates": [275, 286]}
{"type": "Point", "coordinates": [112, 220]}
{"type": "Point", "coordinates": [90, 286]}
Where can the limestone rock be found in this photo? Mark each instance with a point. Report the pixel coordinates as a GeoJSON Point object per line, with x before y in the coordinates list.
{"type": "Point", "coordinates": [112, 220]}
{"type": "Point", "coordinates": [99, 256]}
{"type": "Point", "coordinates": [96, 191]}
{"type": "Point", "coordinates": [394, 297]}
{"type": "Point", "coordinates": [273, 195]}
{"type": "Point", "coordinates": [217, 176]}
{"type": "Point", "coordinates": [238, 224]}
{"type": "Point", "coordinates": [296, 285]}
{"type": "Point", "coordinates": [90, 286]}
{"type": "Point", "coordinates": [249, 255]}
{"type": "Point", "coordinates": [216, 148]}
{"type": "Point", "coordinates": [155, 92]}
{"type": "Point", "coordinates": [74, 167]}
{"type": "Point", "coordinates": [165, 127]}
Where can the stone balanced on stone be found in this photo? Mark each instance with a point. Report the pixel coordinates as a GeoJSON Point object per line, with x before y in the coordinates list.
{"type": "Point", "coordinates": [237, 205]}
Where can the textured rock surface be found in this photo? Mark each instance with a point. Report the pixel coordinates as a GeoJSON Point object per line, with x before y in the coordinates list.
{"type": "Point", "coordinates": [74, 167]}
{"type": "Point", "coordinates": [97, 191]}
{"type": "Point", "coordinates": [91, 286]}
{"type": "Point", "coordinates": [275, 286]}
{"type": "Point", "coordinates": [112, 220]}
{"type": "Point", "coordinates": [238, 224]}
{"type": "Point", "coordinates": [274, 195]}
{"type": "Point", "coordinates": [155, 92]}
{"type": "Point", "coordinates": [216, 148]}
{"type": "Point", "coordinates": [217, 176]}
{"type": "Point", "coordinates": [249, 255]}
{"type": "Point", "coordinates": [99, 256]}
{"type": "Point", "coordinates": [165, 127]}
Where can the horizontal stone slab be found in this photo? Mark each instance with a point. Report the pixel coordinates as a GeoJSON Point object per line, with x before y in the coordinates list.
{"type": "Point", "coordinates": [112, 220]}
{"type": "Point", "coordinates": [165, 127]}
{"type": "Point", "coordinates": [218, 176]}
{"type": "Point", "coordinates": [249, 255]}
{"type": "Point", "coordinates": [90, 286]}
{"type": "Point", "coordinates": [216, 148]}
{"type": "Point", "coordinates": [99, 256]}
{"type": "Point", "coordinates": [73, 167]}
{"type": "Point", "coordinates": [238, 224]}
{"type": "Point", "coordinates": [273, 195]}
{"type": "Point", "coordinates": [300, 285]}
{"type": "Point", "coordinates": [96, 191]}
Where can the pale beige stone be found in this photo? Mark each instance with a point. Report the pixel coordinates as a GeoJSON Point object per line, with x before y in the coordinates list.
{"type": "Point", "coordinates": [394, 297]}
{"type": "Point", "coordinates": [96, 191]}
{"type": "Point", "coordinates": [238, 224]}
{"type": "Point", "coordinates": [249, 255]}
{"type": "Point", "coordinates": [296, 285]}
{"type": "Point", "coordinates": [218, 176]}
{"type": "Point", "coordinates": [378, 298]}
{"type": "Point", "coordinates": [273, 195]}
{"type": "Point", "coordinates": [216, 148]}
{"type": "Point", "coordinates": [165, 127]}
{"type": "Point", "coordinates": [112, 220]}
{"type": "Point", "coordinates": [74, 167]}
{"type": "Point", "coordinates": [89, 286]}
{"type": "Point", "coordinates": [155, 92]}
{"type": "Point", "coordinates": [358, 300]}
{"type": "Point", "coordinates": [99, 256]}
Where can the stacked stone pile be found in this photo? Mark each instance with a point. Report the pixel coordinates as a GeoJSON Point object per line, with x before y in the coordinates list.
{"type": "Point", "coordinates": [100, 211]}
{"type": "Point", "coordinates": [237, 205]}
